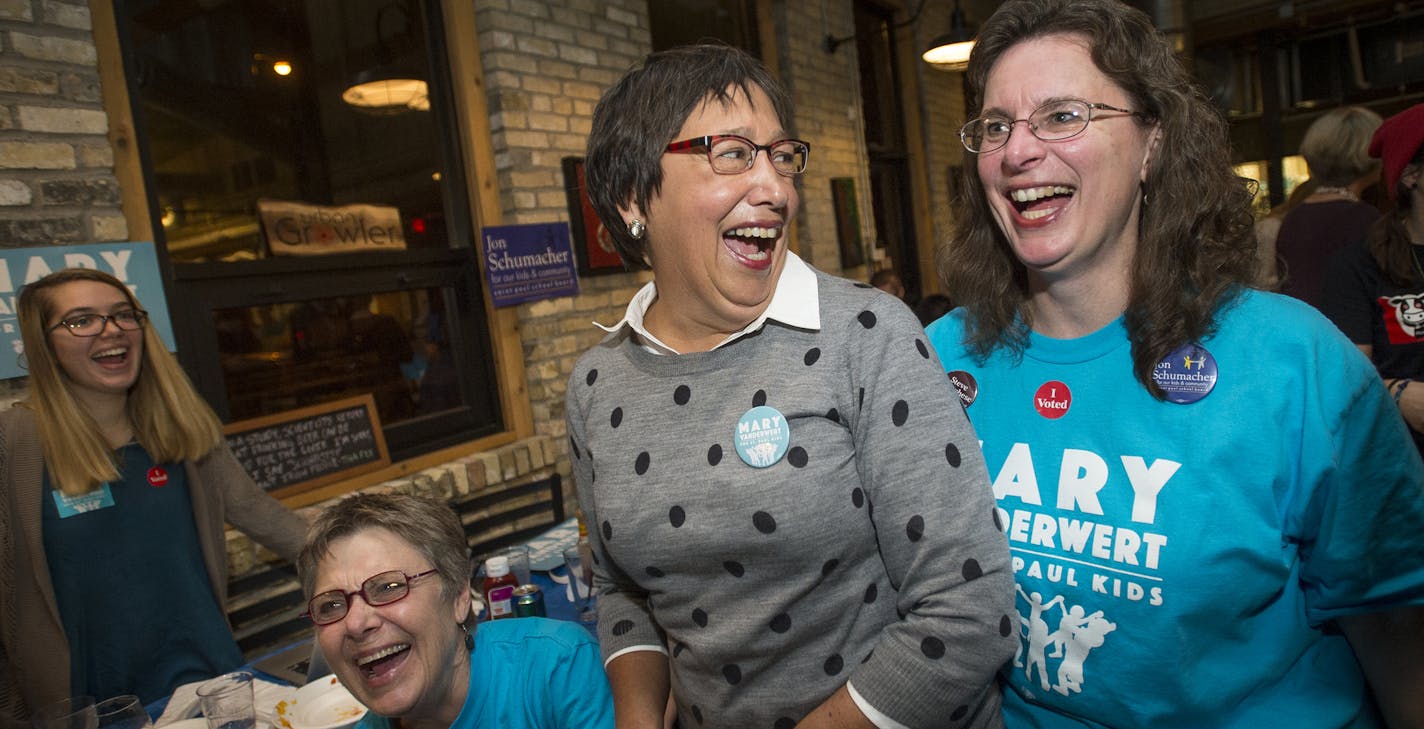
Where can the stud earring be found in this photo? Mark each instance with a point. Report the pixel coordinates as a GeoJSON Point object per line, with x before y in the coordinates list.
{"type": "Point", "coordinates": [636, 229]}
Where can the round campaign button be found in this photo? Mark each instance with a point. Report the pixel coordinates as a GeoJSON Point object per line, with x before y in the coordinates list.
{"type": "Point", "coordinates": [762, 436]}
{"type": "Point", "coordinates": [1187, 374]}
{"type": "Point", "coordinates": [1052, 399]}
{"type": "Point", "coordinates": [965, 384]}
{"type": "Point", "coordinates": [157, 477]}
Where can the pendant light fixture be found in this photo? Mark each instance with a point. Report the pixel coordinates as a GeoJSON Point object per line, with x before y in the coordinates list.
{"type": "Point", "coordinates": [387, 88]}
{"type": "Point", "coordinates": [951, 51]}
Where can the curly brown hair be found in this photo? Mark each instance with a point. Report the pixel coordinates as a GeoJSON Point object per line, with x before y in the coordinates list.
{"type": "Point", "coordinates": [1195, 248]}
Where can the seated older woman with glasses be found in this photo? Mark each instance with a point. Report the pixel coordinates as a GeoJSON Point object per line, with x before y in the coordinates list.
{"type": "Point", "coordinates": [388, 577]}
{"type": "Point", "coordinates": [115, 483]}
{"type": "Point", "coordinates": [789, 513]}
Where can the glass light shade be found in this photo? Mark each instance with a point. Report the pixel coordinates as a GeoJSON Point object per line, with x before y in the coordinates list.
{"type": "Point", "coordinates": [951, 51]}
{"type": "Point", "coordinates": [387, 94]}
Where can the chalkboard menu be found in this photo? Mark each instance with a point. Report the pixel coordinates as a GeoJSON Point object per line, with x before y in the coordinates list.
{"type": "Point", "coordinates": [301, 449]}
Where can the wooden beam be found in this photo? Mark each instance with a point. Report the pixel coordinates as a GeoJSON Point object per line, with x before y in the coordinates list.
{"type": "Point", "coordinates": [128, 167]}
{"type": "Point", "coordinates": [473, 115]}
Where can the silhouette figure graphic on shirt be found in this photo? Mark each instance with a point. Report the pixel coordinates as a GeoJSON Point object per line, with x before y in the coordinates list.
{"type": "Point", "coordinates": [1078, 633]}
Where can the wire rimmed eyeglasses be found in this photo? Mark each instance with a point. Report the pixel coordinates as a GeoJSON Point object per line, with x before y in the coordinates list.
{"type": "Point", "coordinates": [383, 589]}
{"type": "Point", "coordinates": [1052, 122]}
{"type": "Point", "coordinates": [730, 154]}
{"type": "Point", "coordinates": [92, 325]}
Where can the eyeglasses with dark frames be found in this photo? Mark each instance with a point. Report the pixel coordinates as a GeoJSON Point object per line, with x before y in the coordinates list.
{"type": "Point", "coordinates": [1053, 122]}
{"type": "Point", "coordinates": [383, 589]}
{"type": "Point", "coordinates": [92, 325]}
{"type": "Point", "coordinates": [730, 154]}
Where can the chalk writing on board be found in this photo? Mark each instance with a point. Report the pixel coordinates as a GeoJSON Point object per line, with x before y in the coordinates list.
{"type": "Point", "coordinates": [308, 446]}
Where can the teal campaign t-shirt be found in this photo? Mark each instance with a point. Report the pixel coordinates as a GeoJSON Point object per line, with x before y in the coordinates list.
{"type": "Point", "coordinates": [1177, 564]}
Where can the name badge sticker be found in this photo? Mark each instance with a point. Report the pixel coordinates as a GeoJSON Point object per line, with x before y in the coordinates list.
{"type": "Point", "coordinates": [762, 436]}
{"type": "Point", "coordinates": [67, 506]}
{"type": "Point", "coordinates": [1187, 374]}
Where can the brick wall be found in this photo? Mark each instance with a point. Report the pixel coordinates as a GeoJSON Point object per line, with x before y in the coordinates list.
{"type": "Point", "coordinates": [57, 183]}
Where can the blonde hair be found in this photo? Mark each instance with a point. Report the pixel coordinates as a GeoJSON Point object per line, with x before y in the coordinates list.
{"type": "Point", "coordinates": [1336, 146]}
{"type": "Point", "coordinates": [169, 418]}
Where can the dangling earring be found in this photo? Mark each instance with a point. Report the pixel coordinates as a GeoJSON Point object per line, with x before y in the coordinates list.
{"type": "Point", "coordinates": [469, 639]}
{"type": "Point", "coordinates": [636, 229]}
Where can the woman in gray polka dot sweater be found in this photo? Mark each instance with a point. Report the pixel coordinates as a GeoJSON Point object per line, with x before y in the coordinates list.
{"type": "Point", "coordinates": [791, 520]}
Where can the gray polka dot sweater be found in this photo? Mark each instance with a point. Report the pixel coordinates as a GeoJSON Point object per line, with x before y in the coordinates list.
{"type": "Point", "coordinates": [868, 553]}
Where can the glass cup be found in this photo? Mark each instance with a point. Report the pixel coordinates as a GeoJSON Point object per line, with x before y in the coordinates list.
{"type": "Point", "coordinates": [518, 557]}
{"type": "Point", "coordinates": [227, 701]}
{"type": "Point", "coordinates": [75, 712]}
{"type": "Point", "coordinates": [581, 582]}
{"type": "Point", "coordinates": [122, 712]}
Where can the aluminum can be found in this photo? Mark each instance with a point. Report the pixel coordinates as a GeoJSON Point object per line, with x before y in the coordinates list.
{"type": "Point", "coordinates": [528, 602]}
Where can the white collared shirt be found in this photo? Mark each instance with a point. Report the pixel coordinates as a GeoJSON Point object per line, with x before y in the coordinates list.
{"type": "Point", "coordinates": [795, 303]}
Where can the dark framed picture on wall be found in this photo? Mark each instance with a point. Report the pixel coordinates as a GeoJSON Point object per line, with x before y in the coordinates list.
{"type": "Point", "coordinates": [592, 244]}
{"type": "Point", "coordinates": [847, 221]}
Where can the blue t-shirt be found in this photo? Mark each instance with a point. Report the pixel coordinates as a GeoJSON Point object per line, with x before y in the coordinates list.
{"type": "Point", "coordinates": [134, 596]}
{"type": "Point", "coordinates": [1177, 563]}
{"type": "Point", "coordinates": [531, 673]}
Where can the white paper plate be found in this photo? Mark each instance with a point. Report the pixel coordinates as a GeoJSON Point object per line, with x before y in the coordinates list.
{"type": "Point", "coordinates": [321, 704]}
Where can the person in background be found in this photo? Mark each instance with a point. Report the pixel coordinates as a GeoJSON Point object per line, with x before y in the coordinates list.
{"type": "Point", "coordinates": [888, 281]}
{"type": "Point", "coordinates": [1336, 148]}
{"type": "Point", "coordinates": [1269, 227]}
{"type": "Point", "coordinates": [932, 307]}
{"type": "Point", "coordinates": [1375, 290]}
{"type": "Point", "coordinates": [1214, 509]}
{"type": "Point", "coordinates": [115, 483]}
{"type": "Point", "coordinates": [789, 524]}
{"type": "Point", "coordinates": [408, 648]}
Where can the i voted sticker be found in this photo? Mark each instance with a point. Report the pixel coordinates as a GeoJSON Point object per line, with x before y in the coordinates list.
{"type": "Point", "coordinates": [67, 506]}
{"type": "Point", "coordinates": [157, 477]}
{"type": "Point", "coordinates": [1187, 374]}
{"type": "Point", "coordinates": [762, 436]}
{"type": "Point", "coordinates": [1052, 399]}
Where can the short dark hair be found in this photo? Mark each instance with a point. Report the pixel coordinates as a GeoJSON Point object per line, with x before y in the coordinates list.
{"type": "Point", "coordinates": [430, 527]}
{"type": "Point", "coordinates": [639, 116]}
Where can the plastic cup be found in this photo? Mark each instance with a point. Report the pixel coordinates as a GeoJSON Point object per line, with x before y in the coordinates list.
{"type": "Point", "coordinates": [122, 712]}
{"type": "Point", "coordinates": [518, 557]}
{"type": "Point", "coordinates": [227, 701]}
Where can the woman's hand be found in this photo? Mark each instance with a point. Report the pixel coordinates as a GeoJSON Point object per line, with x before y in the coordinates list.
{"type": "Point", "coordinates": [837, 712]}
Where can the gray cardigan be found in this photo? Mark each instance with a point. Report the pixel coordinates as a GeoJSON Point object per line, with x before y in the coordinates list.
{"type": "Point", "coordinates": [34, 653]}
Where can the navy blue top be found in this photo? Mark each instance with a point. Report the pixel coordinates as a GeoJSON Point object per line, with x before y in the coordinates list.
{"type": "Point", "coordinates": [134, 595]}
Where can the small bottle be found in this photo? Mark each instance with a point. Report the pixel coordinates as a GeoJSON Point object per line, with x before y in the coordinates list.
{"type": "Point", "coordinates": [498, 588]}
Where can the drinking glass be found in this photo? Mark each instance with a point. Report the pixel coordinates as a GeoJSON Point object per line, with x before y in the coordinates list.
{"type": "Point", "coordinates": [122, 712]}
{"type": "Point", "coordinates": [518, 557]}
{"type": "Point", "coordinates": [227, 701]}
{"type": "Point", "coordinates": [75, 712]}
{"type": "Point", "coordinates": [581, 582]}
